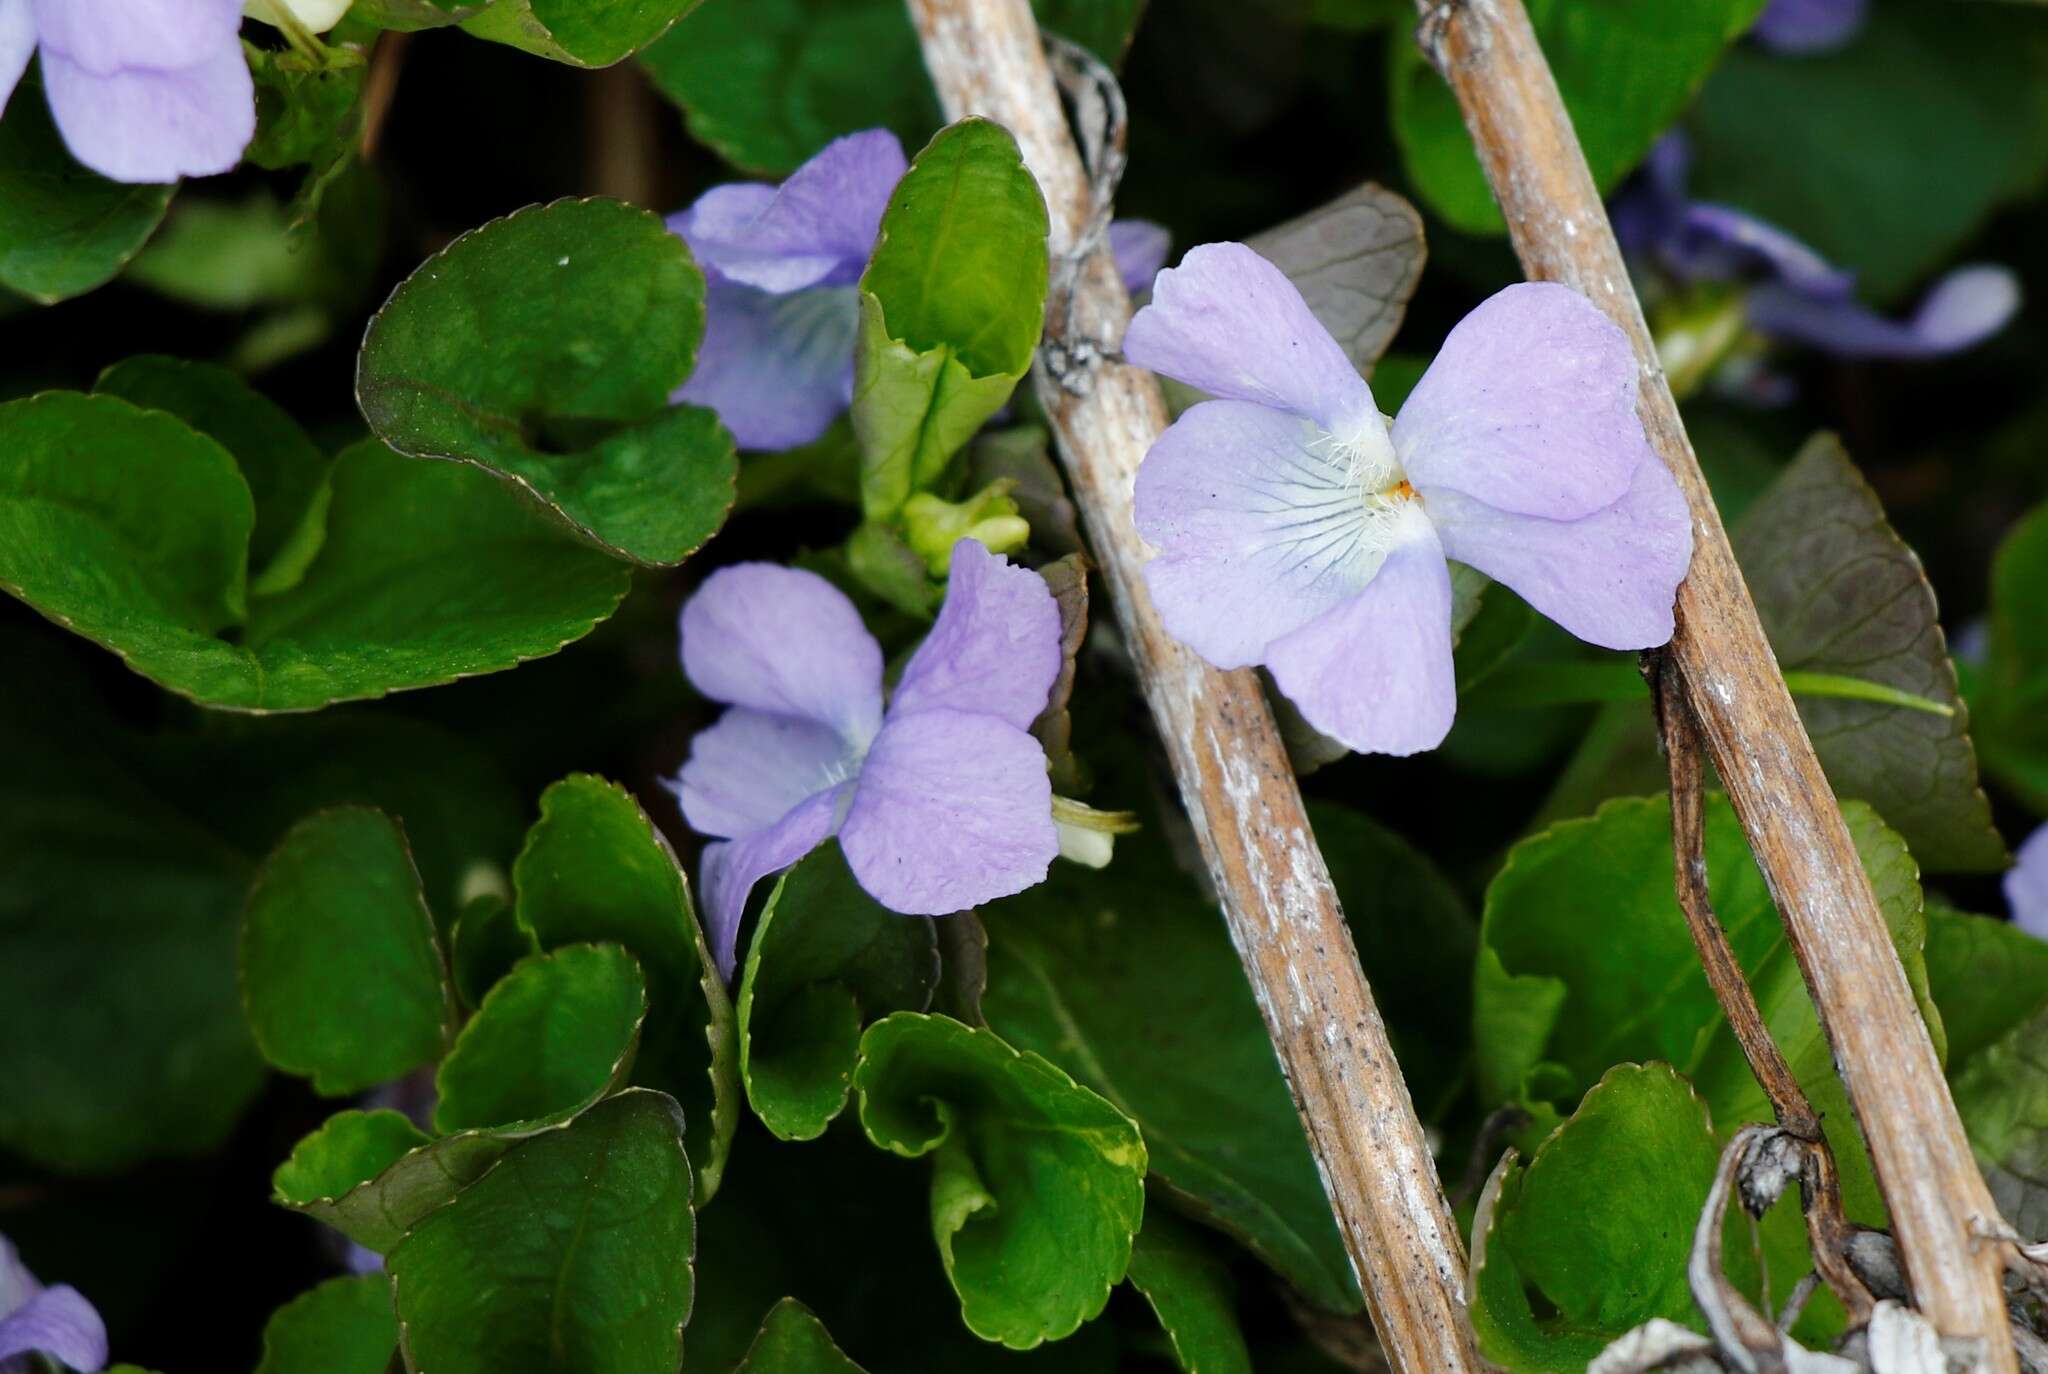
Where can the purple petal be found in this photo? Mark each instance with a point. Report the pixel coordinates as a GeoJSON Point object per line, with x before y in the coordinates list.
{"type": "Point", "coordinates": [2026, 885]}
{"type": "Point", "coordinates": [1647, 210]}
{"type": "Point", "coordinates": [732, 867]}
{"type": "Point", "coordinates": [778, 369]}
{"type": "Point", "coordinates": [17, 1284]}
{"type": "Point", "coordinates": [1257, 534]}
{"type": "Point", "coordinates": [751, 769]}
{"type": "Point", "coordinates": [1965, 307]}
{"type": "Point", "coordinates": [1717, 243]}
{"type": "Point", "coordinates": [1139, 247]}
{"type": "Point", "coordinates": [145, 125]}
{"type": "Point", "coordinates": [105, 36]}
{"type": "Point", "coordinates": [816, 229]}
{"type": "Point", "coordinates": [995, 648]}
{"type": "Point", "coordinates": [1230, 323]}
{"type": "Point", "coordinates": [786, 642]}
{"type": "Point", "coordinates": [1809, 26]}
{"type": "Point", "coordinates": [59, 1323]}
{"type": "Point", "coordinates": [1376, 672]}
{"type": "Point", "coordinates": [17, 45]}
{"type": "Point", "coordinates": [1530, 407]}
{"type": "Point", "coordinates": [1609, 577]}
{"type": "Point", "coordinates": [952, 809]}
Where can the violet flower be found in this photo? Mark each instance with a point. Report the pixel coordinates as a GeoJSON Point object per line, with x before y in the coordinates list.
{"type": "Point", "coordinates": [141, 90]}
{"type": "Point", "coordinates": [940, 802]}
{"type": "Point", "coordinates": [2026, 885]}
{"type": "Point", "coordinates": [781, 268]}
{"type": "Point", "coordinates": [56, 1322]}
{"type": "Point", "coordinates": [1297, 531]}
{"type": "Point", "coordinates": [1802, 27]}
{"type": "Point", "coordinates": [1793, 293]}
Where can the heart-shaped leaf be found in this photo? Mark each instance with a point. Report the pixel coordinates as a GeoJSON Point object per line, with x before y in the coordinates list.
{"type": "Point", "coordinates": [543, 348]}
{"type": "Point", "coordinates": [571, 1256]}
{"type": "Point", "coordinates": [792, 1341]}
{"type": "Point", "coordinates": [1037, 1184]}
{"type": "Point", "coordinates": [344, 1326]}
{"type": "Point", "coordinates": [826, 958]}
{"type": "Point", "coordinates": [1189, 1287]}
{"type": "Point", "coordinates": [342, 976]}
{"type": "Point", "coordinates": [350, 1149]}
{"type": "Point", "coordinates": [486, 942]}
{"type": "Point", "coordinates": [582, 33]}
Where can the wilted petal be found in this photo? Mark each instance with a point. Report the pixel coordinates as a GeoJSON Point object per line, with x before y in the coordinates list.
{"type": "Point", "coordinates": [17, 45]}
{"type": "Point", "coordinates": [1530, 406]}
{"type": "Point", "coordinates": [1809, 26]}
{"type": "Point", "coordinates": [145, 125]}
{"type": "Point", "coordinates": [732, 867]}
{"type": "Point", "coordinates": [1229, 322]}
{"type": "Point", "coordinates": [60, 1323]}
{"type": "Point", "coordinates": [105, 36]}
{"type": "Point", "coordinates": [995, 648]}
{"type": "Point", "coordinates": [1257, 534]}
{"type": "Point", "coordinates": [952, 809]}
{"type": "Point", "coordinates": [1609, 577]}
{"type": "Point", "coordinates": [786, 642]}
{"type": "Point", "coordinates": [816, 229]}
{"type": "Point", "coordinates": [751, 769]}
{"type": "Point", "coordinates": [2026, 885]}
{"type": "Point", "coordinates": [777, 369]}
{"type": "Point", "coordinates": [1139, 247]}
{"type": "Point", "coordinates": [1375, 673]}
{"type": "Point", "coordinates": [1966, 307]}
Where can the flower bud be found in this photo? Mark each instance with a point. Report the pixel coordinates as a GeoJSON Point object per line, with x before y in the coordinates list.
{"type": "Point", "coordinates": [315, 16]}
{"type": "Point", "coordinates": [932, 527]}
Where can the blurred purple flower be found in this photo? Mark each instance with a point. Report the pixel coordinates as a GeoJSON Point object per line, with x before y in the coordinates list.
{"type": "Point", "coordinates": [1792, 292]}
{"type": "Point", "coordinates": [940, 802]}
{"type": "Point", "coordinates": [1809, 26]}
{"type": "Point", "coordinates": [57, 1322]}
{"type": "Point", "coordinates": [2026, 885]}
{"type": "Point", "coordinates": [1296, 530]}
{"type": "Point", "coordinates": [142, 90]}
{"type": "Point", "coordinates": [781, 265]}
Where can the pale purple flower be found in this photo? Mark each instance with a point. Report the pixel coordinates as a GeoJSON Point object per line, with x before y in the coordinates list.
{"type": "Point", "coordinates": [1297, 530]}
{"type": "Point", "coordinates": [1800, 27]}
{"type": "Point", "coordinates": [1792, 292]}
{"type": "Point", "coordinates": [940, 802]}
{"type": "Point", "coordinates": [2026, 885]}
{"type": "Point", "coordinates": [57, 1322]}
{"type": "Point", "coordinates": [781, 266]}
{"type": "Point", "coordinates": [141, 90]}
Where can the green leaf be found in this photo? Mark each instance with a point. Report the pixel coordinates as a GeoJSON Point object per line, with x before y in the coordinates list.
{"type": "Point", "coordinates": [1190, 1289]}
{"type": "Point", "coordinates": [1104, 27]}
{"type": "Point", "coordinates": [571, 1256]}
{"type": "Point", "coordinates": [344, 1326]}
{"type": "Point", "coordinates": [767, 83]}
{"type": "Point", "coordinates": [1987, 976]}
{"type": "Point", "coordinates": [1626, 72]}
{"type": "Point", "coordinates": [342, 977]}
{"type": "Point", "coordinates": [1948, 97]}
{"type": "Point", "coordinates": [407, 16]}
{"type": "Point", "coordinates": [1839, 592]}
{"type": "Point", "coordinates": [952, 304]}
{"type": "Point", "coordinates": [2003, 1099]}
{"type": "Point", "coordinates": [582, 33]}
{"type": "Point", "coordinates": [826, 959]}
{"type": "Point", "coordinates": [1356, 261]}
{"type": "Point", "coordinates": [1037, 1183]}
{"type": "Point", "coordinates": [131, 529]}
{"type": "Point", "coordinates": [307, 107]}
{"type": "Point", "coordinates": [594, 868]}
{"type": "Point", "coordinates": [2013, 726]}
{"type": "Point", "coordinates": [486, 942]}
{"type": "Point", "coordinates": [1600, 1224]}
{"type": "Point", "coordinates": [1127, 979]}
{"type": "Point", "coordinates": [560, 1028]}
{"type": "Point", "coordinates": [286, 472]}
{"type": "Point", "coordinates": [792, 1341]}
{"type": "Point", "coordinates": [63, 230]}
{"type": "Point", "coordinates": [350, 1149]}
{"type": "Point", "coordinates": [543, 348]}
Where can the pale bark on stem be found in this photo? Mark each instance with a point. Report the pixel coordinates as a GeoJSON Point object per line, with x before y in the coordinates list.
{"type": "Point", "coordinates": [1940, 1208]}
{"type": "Point", "coordinates": [985, 57]}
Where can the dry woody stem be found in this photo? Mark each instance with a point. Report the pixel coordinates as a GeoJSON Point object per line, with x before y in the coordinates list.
{"type": "Point", "coordinates": [986, 57]}
{"type": "Point", "coordinates": [1940, 1208]}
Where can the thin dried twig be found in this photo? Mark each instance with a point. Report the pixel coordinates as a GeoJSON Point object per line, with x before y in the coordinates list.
{"type": "Point", "coordinates": [1939, 1204]}
{"type": "Point", "coordinates": [985, 57]}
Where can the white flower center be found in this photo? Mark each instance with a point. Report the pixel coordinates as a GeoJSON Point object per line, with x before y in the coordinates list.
{"type": "Point", "coordinates": [1363, 454]}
